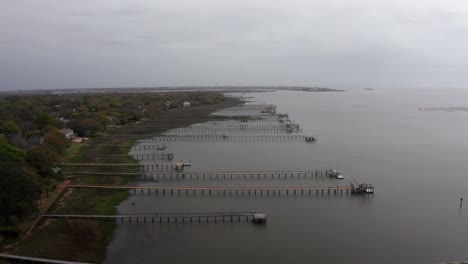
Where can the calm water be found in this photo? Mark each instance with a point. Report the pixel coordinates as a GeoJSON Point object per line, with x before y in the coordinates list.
{"type": "Point", "coordinates": [418, 162]}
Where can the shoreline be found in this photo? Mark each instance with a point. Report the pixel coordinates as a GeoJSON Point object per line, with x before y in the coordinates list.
{"type": "Point", "coordinates": [87, 241]}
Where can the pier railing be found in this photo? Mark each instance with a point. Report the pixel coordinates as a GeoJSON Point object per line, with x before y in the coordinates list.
{"type": "Point", "coordinates": [150, 174]}
{"type": "Point", "coordinates": [207, 137]}
{"type": "Point", "coordinates": [169, 217]}
{"type": "Point", "coordinates": [223, 191]}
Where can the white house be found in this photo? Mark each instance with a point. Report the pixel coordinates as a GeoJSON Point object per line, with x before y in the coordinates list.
{"type": "Point", "coordinates": [69, 134]}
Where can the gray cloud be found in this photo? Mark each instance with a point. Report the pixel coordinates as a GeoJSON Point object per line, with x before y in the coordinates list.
{"type": "Point", "coordinates": [336, 43]}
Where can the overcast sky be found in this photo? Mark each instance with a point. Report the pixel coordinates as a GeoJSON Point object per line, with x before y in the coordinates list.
{"type": "Point", "coordinates": [332, 43]}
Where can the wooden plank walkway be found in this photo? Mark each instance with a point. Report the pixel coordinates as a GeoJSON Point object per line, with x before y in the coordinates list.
{"type": "Point", "coordinates": [224, 138]}
{"type": "Point", "coordinates": [154, 156]}
{"type": "Point", "coordinates": [117, 165]}
{"type": "Point", "coordinates": [164, 217]}
{"type": "Point", "coordinates": [194, 138]}
{"type": "Point", "coordinates": [146, 167]}
{"type": "Point", "coordinates": [236, 131]}
{"type": "Point", "coordinates": [247, 191]}
{"type": "Point", "coordinates": [246, 175]}
{"type": "Point", "coordinates": [208, 137]}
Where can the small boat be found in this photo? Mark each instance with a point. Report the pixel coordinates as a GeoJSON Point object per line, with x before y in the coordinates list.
{"type": "Point", "coordinates": [162, 147]}
{"type": "Point", "coordinates": [368, 188]}
{"type": "Point", "coordinates": [259, 217]}
{"type": "Point", "coordinates": [311, 138]}
{"type": "Point", "coordinates": [335, 173]}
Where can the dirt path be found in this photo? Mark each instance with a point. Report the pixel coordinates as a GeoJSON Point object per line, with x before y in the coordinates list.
{"type": "Point", "coordinates": [46, 204]}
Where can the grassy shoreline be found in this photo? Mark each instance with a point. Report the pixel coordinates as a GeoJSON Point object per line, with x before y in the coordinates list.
{"type": "Point", "coordinates": [85, 240]}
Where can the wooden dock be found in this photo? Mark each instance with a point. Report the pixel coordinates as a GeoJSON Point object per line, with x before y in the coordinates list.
{"type": "Point", "coordinates": [222, 191]}
{"type": "Point", "coordinates": [212, 175]}
{"type": "Point", "coordinates": [139, 157]}
{"type": "Point", "coordinates": [210, 137]}
{"type": "Point", "coordinates": [241, 129]}
{"type": "Point", "coordinates": [254, 216]}
{"type": "Point", "coordinates": [207, 137]}
{"type": "Point", "coordinates": [246, 175]}
{"type": "Point", "coordinates": [146, 167]}
{"type": "Point", "coordinates": [195, 138]}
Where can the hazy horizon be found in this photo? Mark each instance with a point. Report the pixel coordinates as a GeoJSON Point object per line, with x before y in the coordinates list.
{"type": "Point", "coordinates": [339, 44]}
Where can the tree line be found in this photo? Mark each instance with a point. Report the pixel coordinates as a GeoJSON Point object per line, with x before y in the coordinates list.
{"type": "Point", "coordinates": [31, 143]}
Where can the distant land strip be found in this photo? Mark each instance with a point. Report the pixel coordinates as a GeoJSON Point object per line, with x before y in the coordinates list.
{"type": "Point", "coordinates": [443, 109]}
{"type": "Point", "coordinates": [166, 89]}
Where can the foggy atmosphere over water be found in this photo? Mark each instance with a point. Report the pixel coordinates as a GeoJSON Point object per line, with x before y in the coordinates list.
{"type": "Point", "coordinates": [340, 44]}
{"type": "Point", "coordinates": [247, 131]}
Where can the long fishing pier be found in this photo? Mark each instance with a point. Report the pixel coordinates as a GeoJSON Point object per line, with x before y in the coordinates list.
{"type": "Point", "coordinates": [222, 191]}
{"type": "Point", "coordinates": [226, 138]}
{"type": "Point", "coordinates": [209, 137]}
{"type": "Point", "coordinates": [139, 157]}
{"type": "Point", "coordinates": [254, 216]}
{"type": "Point", "coordinates": [193, 138]}
{"type": "Point", "coordinates": [252, 175]}
{"type": "Point", "coordinates": [146, 167]}
{"type": "Point", "coordinates": [246, 175]}
{"type": "Point", "coordinates": [235, 130]}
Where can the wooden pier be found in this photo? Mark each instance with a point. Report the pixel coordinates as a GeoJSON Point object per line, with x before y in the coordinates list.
{"type": "Point", "coordinates": [208, 137]}
{"type": "Point", "coordinates": [139, 157]}
{"type": "Point", "coordinates": [253, 216]}
{"type": "Point", "coordinates": [246, 175]}
{"type": "Point", "coordinates": [223, 191]}
{"type": "Point", "coordinates": [204, 137]}
{"type": "Point", "coordinates": [234, 131]}
{"type": "Point", "coordinates": [256, 124]}
{"type": "Point", "coordinates": [179, 166]}
{"type": "Point", "coordinates": [239, 129]}
{"type": "Point", "coordinates": [194, 138]}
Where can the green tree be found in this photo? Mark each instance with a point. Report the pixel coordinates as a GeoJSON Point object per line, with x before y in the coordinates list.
{"type": "Point", "coordinates": [103, 120]}
{"type": "Point", "coordinates": [91, 127]}
{"type": "Point", "coordinates": [44, 119]}
{"type": "Point", "coordinates": [10, 127]}
{"type": "Point", "coordinates": [9, 152]}
{"type": "Point", "coordinates": [44, 159]}
{"type": "Point", "coordinates": [56, 139]}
